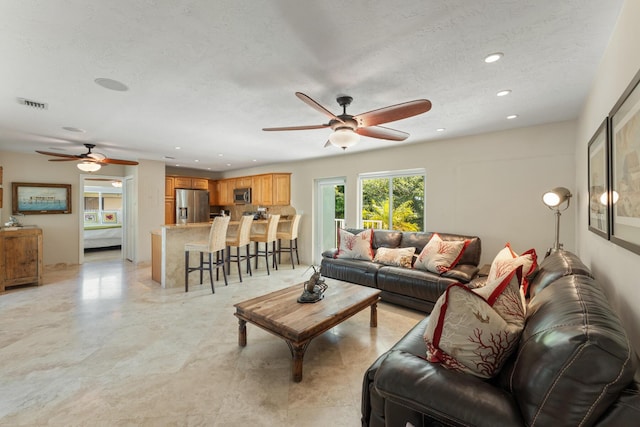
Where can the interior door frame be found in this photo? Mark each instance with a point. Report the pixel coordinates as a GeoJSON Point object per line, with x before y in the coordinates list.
{"type": "Point", "coordinates": [319, 213]}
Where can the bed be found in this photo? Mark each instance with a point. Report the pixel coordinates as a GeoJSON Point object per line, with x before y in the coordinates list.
{"type": "Point", "coordinates": [102, 236]}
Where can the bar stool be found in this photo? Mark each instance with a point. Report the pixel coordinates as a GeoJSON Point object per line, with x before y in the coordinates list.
{"type": "Point", "coordinates": [268, 237]}
{"type": "Point", "coordinates": [292, 236]}
{"type": "Point", "coordinates": [238, 240]}
{"type": "Point", "coordinates": [215, 244]}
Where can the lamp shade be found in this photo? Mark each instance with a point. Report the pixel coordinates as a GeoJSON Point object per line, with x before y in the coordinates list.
{"type": "Point", "coordinates": [556, 197]}
{"type": "Point", "coordinates": [88, 166]}
{"type": "Point", "coordinates": [344, 138]}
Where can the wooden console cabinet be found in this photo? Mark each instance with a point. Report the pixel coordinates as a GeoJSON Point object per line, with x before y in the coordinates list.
{"type": "Point", "coordinates": [20, 257]}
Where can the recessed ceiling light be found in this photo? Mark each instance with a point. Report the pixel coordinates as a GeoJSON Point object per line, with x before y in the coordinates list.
{"type": "Point", "coordinates": [111, 84]}
{"type": "Point", "coordinates": [493, 57]}
{"type": "Point", "coordinates": [178, 148]}
{"type": "Point", "coordinates": [228, 164]}
{"type": "Point", "coordinates": [72, 129]}
{"type": "Point", "coordinates": [440, 130]}
{"type": "Point", "coordinates": [220, 155]}
{"type": "Point", "coordinates": [504, 92]}
{"type": "Point", "coordinates": [254, 160]}
{"type": "Point", "coordinates": [511, 117]}
{"type": "Point", "coordinates": [196, 160]}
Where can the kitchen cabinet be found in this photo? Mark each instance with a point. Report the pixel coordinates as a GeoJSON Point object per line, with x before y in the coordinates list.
{"type": "Point", "coordinates": [169, 210]}
{"type": "Point", "coordinates": [213, 196]}
{"type": "Point", "coordinates": [243, 182]}
{"type": "Point", "coordinates": [156, 256]}
{"type": "Point", "coordinates": [281, 189]}
{"type": "Point", "coordinates": [224, 190]}
{"type": "Point", "coordinates": [169, 188]}
{"type": "Point", "coordinates": [20, 257]}
{"type": "Point", "coordinates": [190, 182]}
{"type": "Point", "coordinates": [262, 190]}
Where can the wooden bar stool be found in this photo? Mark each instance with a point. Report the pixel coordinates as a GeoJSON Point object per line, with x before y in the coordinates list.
{"type": "Point", "coordinates": [239, 240]}
{"type": "Point", "coordinates": [292, 236]}
{"type": "Point", "coordinates": [268, 238]}
{"type": "Point", "coordinates": [215, 244]}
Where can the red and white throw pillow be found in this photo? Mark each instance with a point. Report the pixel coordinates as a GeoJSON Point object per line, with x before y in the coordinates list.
{"type": "Point", "coordinates": [355, 246]}
{"type": "Point", "coordinates": [439, 256]}
{"type": "Point", "coordinates": [507, 260]}
{"type": "Point", "coordinates": [475, 331]}
{"type": "Point", "coordinates": [400, 257]}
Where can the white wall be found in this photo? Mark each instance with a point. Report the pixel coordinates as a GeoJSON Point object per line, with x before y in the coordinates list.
{"type": "Point", "coordinates": [615, 267]}
{"type": "Point", "coordinates": [487, 185]}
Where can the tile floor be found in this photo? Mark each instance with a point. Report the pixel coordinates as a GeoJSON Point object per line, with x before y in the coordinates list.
{"type": "Point", "coordinates": [103, 345]}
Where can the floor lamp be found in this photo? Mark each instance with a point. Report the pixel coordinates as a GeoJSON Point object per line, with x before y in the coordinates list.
{"type": "Point", "coordinates": [554, 200]}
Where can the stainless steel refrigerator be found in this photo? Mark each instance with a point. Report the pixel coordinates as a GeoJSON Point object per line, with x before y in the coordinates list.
{"type": "Point", "coordinates": [192, 206]}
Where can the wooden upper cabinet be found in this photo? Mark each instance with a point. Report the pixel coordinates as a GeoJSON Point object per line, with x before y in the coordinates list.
{"type": "Point", "coordinates": [188, 182]}
{"type": "Point", "coordinates": [224, 191]}
{"type": "Point", "coordinates": [169, 187]}
{"type": "Point", "coordinates": [262, 190]}
{"type": "Point", "coordinates": [281, 188]}
{"type": "Point", "coordinates": [213, 196]}
{"type": "Point", "coordinates": [200, 183]}
{"type": "Point", "coordinates": [243, 182]}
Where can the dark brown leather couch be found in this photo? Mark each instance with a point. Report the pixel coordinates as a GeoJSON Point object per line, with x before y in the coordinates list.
{"type": "Point", "coordinates": [416, 289]}
{"type": "Point", "coordinates": [574, 367]}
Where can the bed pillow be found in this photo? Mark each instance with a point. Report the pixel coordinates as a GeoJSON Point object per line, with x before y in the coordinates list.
{"type": "Point", "coordinates": [355, 246]}
{"type": "Point", "coordinates": [399, 257]}
{"type": "Point", "coordinates": [476, 333]}
{"type": "Point", "coordinates": [439, 256]}
{"type": "Point", "coordinates": [507, 260]}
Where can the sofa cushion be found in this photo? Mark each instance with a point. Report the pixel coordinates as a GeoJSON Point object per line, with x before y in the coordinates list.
{"type": "Point", "coordinates": [400, 257]}
{"type": "Point", "coordinates": [419, 284]}
{"type": "Point", "coordinates": [507, 260]}
{"type": "Point", "coordinates": [355, 246]}
{"type": "Point", "coordinates": [475, 331]}
{"type": "Point", "coordinates": [439, 256]}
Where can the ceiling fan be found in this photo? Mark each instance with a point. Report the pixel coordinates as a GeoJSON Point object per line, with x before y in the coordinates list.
{"type": "Point", "coordinates": [347, 128]}
{"type": "Point", "coordinates": [89, 161]}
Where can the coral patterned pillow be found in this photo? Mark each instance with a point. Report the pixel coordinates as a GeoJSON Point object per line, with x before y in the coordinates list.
{"type": "Point", "coordinates": [507, 260]}
{"type": "Point", "coordinates": [475, 331]}
{"type": "Point", "coordinates": [355, 246]}
{"type": "Point", "coordinates": [439, 256]}
{"type": "Point", "coordinates": [400, 257]}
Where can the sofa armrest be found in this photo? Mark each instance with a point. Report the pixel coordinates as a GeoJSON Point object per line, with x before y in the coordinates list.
{"type": "Point", "coordinates": [330, 253]}
{"type": "Point", "coordinates": [453, 398]}
{"type": "Point", "coordinates": [462, 272]}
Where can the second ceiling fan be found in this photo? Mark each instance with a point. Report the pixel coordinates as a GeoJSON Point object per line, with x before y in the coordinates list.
{"type": "Point", "coordinates": [347, 128]}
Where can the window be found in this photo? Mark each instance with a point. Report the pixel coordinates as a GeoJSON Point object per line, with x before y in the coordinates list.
{"type": "Point", "coordinates": [393, 200]}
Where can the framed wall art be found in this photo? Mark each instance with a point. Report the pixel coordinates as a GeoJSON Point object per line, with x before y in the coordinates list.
{"type": "Point", "coordinates": [625, 168]}
{"type": "Point", "coordinates": [598, 178]}
{"type": "Point", "coordinates": [32, 199]}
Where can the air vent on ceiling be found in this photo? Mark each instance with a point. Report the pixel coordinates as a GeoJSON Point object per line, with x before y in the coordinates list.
{"type": "Point", "coordinates": [33, 104]}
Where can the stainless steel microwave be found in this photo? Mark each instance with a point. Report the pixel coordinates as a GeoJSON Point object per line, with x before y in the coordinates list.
{"type": "Point", "coordinates": [242, 196]}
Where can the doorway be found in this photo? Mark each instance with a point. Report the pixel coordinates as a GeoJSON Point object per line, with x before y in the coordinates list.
{"type": "Point", "coordinates": [330, 214]}
{"type": "Point", "coordinates": [102, 218]}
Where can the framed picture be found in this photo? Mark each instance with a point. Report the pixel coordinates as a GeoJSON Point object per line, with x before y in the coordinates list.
{"type": "Point", "coordinates": [109, 217]}
{"type": "Point", "coordinates": [91, 217]}
{"type": "Point", "coordinates": [625, 168]}
{"type": "Point", "coordinates": [598, 178]}
{"type": "Point", "coordinates": [33, 199]}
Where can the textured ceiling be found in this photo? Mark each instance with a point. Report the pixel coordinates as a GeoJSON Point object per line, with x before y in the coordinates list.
{"type": "Point", "coordinates": [207, 76]}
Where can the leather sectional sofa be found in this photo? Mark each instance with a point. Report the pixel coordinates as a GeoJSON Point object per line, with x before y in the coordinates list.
{"type": "Point", "coordinates": [573, 367]}
{"type": "Point", "coordinates": [409, 287]}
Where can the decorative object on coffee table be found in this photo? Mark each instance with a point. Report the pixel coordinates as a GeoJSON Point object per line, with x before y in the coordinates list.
{"type": "Point", "coordinates": [314, 287]}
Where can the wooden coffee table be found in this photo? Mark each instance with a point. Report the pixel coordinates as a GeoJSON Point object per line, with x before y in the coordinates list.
{"type": "Point", "coordinates": [279, 313]}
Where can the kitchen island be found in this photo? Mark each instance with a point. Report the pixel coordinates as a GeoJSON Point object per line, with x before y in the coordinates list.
{"type": "Point", "coordinates": [167, 249]}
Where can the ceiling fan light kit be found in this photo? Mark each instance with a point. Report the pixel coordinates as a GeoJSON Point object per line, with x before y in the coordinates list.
{"type": "Point", "coordinates": [347, 129]}
{"type": "Point", "coordinates": [88, 166]}
{"type": "Point", "coordinates": [344, 138]}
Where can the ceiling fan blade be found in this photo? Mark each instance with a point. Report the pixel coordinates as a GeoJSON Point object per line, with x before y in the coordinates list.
{"type": "Point", "coordinates": [393, 113]}
{"type": "Point", "coordinates": [49, 153]}
{"type": "Point", "coordinates": [298, 127]}
{"type": "Point", "coordinates": [64, 160]}
{"type": "Point", "coordinates": [313, 104]}
{"type": "Point", "coordinates": [107, 161]}
{"type": "Point", "coordinates": [381, 132]}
